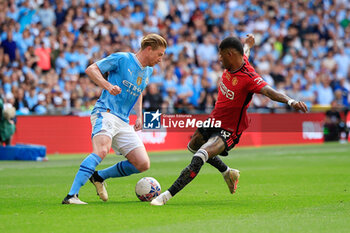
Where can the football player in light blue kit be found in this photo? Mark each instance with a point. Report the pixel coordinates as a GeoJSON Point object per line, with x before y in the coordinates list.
{"type": "Point", "coordinates": [128, 76]}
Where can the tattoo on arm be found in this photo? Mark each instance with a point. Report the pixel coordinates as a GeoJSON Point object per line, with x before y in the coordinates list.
{"type": "Point", "coordinates": [274, 95]}
{"type": "Point", "coordinates": [280, 97]}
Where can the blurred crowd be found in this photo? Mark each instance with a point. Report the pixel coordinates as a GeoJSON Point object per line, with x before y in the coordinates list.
{"type": "Point", "coordinates": [302, 49]}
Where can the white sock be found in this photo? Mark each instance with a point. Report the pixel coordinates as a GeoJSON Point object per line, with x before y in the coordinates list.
{"type": "Point", "coordinates": [167, 195]}
{"type": "Point", "coordinates": [203, 154]}
{"type": "Point", "coordinates": [224, 173]}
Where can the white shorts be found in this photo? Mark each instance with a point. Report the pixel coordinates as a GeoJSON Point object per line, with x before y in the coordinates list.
{"type": "Point", "coordinates": [124, 138]}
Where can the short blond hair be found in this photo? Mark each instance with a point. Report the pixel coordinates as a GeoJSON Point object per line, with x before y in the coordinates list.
{"type": "Point", "coordinates": [153, 40]}
{"type": "Point", "coordinates": [9, 113]}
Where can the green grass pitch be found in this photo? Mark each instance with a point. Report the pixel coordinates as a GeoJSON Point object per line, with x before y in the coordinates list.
{"type": "Point", "coordinates": [281, 189]}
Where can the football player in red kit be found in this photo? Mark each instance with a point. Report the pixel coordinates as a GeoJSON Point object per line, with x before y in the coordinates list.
{"type": "Point", "coordinates": [238, 84]}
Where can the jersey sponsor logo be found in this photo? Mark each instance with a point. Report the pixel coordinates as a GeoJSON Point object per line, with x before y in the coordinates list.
{"type": "Point", "coordinates": [132, 88]}
{"type": "Point", "coordinates": [139, 81]}
{"type": "Point", "coordinates": [258, 80]}
{"type": "Point", "coordinates": [226, 92]}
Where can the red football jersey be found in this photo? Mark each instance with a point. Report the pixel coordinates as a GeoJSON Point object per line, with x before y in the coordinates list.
{"type": "Point", "coordinates": [235, 91]}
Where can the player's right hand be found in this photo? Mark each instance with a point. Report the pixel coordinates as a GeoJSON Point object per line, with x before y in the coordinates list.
{"type": "Point", "coordinates": [299, 105]}
{"type": "Point", "coordinates": [250, 40]}
{"type": "Point", "coordinates": [114, 89]}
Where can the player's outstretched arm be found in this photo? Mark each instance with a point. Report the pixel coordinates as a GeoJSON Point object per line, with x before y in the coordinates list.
{"type": "Point", "coordinates": [248, 44]}
{"type": "Point", "coordinates": [96, 76]}
{"type": "Point", "coordinates": [280, 97]}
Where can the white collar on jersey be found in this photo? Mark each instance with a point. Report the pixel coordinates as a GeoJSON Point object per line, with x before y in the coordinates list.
{"type": "Point", "coordinates": [138, 62]}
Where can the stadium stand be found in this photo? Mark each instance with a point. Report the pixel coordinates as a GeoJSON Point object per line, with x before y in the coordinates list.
{"type": "Point", "coordinates": [302, 48]}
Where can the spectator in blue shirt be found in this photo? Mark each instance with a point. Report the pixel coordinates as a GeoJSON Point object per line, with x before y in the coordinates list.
{"type": "Point", "coordinates": [138, 15]}
{"type": "Point", "coordinates": [308, 96]}
{"type": "Point", "coordinates": [46, 14]}
{"type": "Point", "coordinates": [40, 108]}
{"type": "Point", "coordinates": [24, 43]}
{"type": "Point", "coordinates": [324, 92]}
{"type": "Point", "coordinates": [32, 98]}
{"type": "Point", "coordinates": [184, 93]}
{"type": "Point", "coordinates": [196, 90]}
{"type": "Point", "coordinates": [169, 84]}
{"type": "Point", "coordinates": [13, 12]}
{"type": "Point", "coordinates": [9, 46]}
{"type": "Point", "coordinates": [343, 63]}
{"type": "Point", "coordinates": [60, 13]}
{"type": "Point", "coordinates": [342, 92]}
{"type": "Point", "coordinates": [61, 62]}
{"type": "Point", "coordinates": [207, 51]}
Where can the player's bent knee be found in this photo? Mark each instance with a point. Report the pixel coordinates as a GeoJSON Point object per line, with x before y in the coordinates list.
{"type": "Point", "coordinates": [143, 166]}
{"type": "Point", "coordinates": [139, 158]}
{"type": "Point", "coordinates": [101, 145]}
{"type": "Point", "coordinates": [214, 146]}
{"type": "Point", "coordinates": [190, 149]}
{"type": "Point", "coordinates": [102, 153]}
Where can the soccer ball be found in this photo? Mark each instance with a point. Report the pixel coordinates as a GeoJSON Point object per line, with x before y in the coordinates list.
{"type": "Point", "coordinates": [147, 188]}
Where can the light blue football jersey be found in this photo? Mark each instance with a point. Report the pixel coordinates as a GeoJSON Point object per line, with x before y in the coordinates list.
{"type": "Point", "coordinates": [126, 71]}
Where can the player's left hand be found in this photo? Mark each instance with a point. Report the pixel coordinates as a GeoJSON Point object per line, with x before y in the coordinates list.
{"type": "Point", "coordinates": [299, 105]}
{"type": "Point", "coordinates": [250, 40]}
{"type": "Point", "coordinates": [138, 124]}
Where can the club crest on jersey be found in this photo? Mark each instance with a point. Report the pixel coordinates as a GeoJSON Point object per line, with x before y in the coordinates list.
{"type": "Point", "coordinates": [234, 81]}
{"type": "Point", "coordinates": [139, 81]}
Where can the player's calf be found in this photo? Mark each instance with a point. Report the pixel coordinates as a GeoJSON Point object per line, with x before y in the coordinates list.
{"type": "Point", "coordinates": [186, 176]}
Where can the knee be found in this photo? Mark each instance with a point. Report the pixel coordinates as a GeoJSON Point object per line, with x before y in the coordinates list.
{"type": "Point", "coordinates": [143, 166]}
{"type": "Point", "coordinates": [102, 153]}
{"type": "Point", "coordinates": [101, 145]}
{"type": "Point", "coordinates": [190, 148]}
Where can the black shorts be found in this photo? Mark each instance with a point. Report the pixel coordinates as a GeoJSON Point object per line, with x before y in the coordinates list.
{"type": "Point", "coordinates": [228, 137]}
